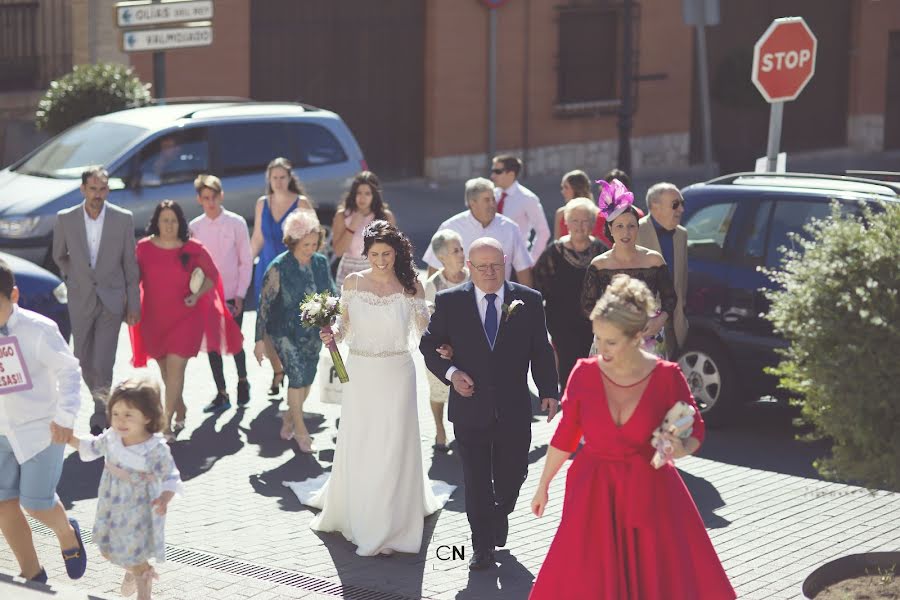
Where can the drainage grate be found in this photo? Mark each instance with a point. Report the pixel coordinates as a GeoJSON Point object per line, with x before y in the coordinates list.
{"type": "Point", "coordinates": [195, 558]}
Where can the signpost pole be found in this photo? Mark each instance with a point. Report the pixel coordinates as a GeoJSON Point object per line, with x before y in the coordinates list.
{"type": "Point", "coordinates": [492, 84]}
{"type": "Point", "coordinates": [703, 79]}
{"type": "Point", "coordinates": [626, 108]}
{"type": "Point", "coordinates": [159, 73]}
{"type": "Point", "coordinates": [775, 116]}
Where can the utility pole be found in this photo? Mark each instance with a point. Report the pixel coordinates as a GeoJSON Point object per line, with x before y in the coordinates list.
{"type": "Point", "coordinates": [626, 106]}
{"type": "Point", "coordinates": [159, 72]}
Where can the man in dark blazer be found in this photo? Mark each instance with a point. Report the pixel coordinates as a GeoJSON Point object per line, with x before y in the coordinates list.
{"type": "Point", "coordinates": [497, 331]}
{"type": "Point", "coordinates": [93, 246]}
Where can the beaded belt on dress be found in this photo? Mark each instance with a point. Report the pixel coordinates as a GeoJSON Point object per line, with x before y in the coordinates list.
{"type": "Point", "coordinates": [384, 354]}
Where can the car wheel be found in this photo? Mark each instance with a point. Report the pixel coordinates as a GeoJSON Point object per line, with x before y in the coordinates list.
{"type": "Point", "coordinates": [710, 375]}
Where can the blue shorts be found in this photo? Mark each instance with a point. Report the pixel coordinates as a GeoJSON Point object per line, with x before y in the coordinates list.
{"type": "Point", "coordinates": [34, 482]}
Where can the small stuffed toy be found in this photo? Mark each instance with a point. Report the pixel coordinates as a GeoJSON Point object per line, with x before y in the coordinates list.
{"type": "Point", "coordinates": [679, 420]}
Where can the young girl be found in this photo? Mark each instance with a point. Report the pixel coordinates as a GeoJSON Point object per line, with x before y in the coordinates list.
{"type": "Point", "coordinates": [138, 482]}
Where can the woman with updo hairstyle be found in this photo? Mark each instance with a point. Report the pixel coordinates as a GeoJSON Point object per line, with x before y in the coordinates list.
{"type": "Point", "coordinates": [628, 530]}
{"type": "Point", "coordinates": [293, 274]}
{"type": "Point", "coordinates": [376, 494]}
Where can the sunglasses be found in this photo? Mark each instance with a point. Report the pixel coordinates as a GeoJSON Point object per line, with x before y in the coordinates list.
{"type": "Point", "coordinates": [498, 171]}
{"type": "Point", "coordinates": [676, 204]}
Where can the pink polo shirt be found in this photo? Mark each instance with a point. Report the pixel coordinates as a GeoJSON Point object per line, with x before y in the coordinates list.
{"type": "Point", "coordinates": [228, 241]}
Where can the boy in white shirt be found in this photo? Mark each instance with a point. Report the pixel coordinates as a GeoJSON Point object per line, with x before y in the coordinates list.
{"type": "Point", "coordinates": [40, 392]}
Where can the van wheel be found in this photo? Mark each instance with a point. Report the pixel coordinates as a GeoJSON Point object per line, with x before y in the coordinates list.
{"type": "Point", "coordinates": [710, 375]}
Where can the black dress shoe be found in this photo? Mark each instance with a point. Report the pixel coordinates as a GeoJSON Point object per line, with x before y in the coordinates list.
{"type": "Point", "coordinates": [501, 530]}
{"type": "Point", "coordinates": [481, 560]}
{"type": "Point", "coordinates": [243, 393]}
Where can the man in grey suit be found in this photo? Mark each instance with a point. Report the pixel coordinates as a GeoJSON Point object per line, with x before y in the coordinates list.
{"type": "Point", "coordinates": [93, 245]}
{"type": "Point", "coordinates": [661, 230]}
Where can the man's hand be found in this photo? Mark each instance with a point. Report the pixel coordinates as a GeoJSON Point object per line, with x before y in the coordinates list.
{"type": "Point", "coordinates": [446, 351]}
{"type": "Point", "coordinates": [238, 307]}
{"type": "Point", "coordinates": [60, 434]}
{"type": "Point", "coordinates": [462, 383]}
{"type": "Point", "coordinates": [132, 319]}
{"type": "Point", "coordinates": [551, 405]}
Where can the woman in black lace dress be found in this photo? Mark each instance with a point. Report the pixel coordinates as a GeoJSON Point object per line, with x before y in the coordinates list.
{"type": "Point", "coordinates": [628, 258]}
{"type": "Point", "coordinates": [559, 275]}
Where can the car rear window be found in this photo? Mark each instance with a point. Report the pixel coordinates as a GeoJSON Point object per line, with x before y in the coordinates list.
{"type": "Point", "coordinates": [318, 146]}
{"type": "Point", "coordinates": [707, 229]}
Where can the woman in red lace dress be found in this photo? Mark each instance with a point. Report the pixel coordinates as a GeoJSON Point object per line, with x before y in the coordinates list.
{"type": "Point", "coordinates": [175, 323]}
{"type": "Point", "coordinates": [628, 531]}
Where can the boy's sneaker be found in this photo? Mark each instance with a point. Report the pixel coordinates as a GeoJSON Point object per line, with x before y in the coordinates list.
{"type": "Point", "coordinates": [219, 404]}
{"type": "Point", "coordinates": [243, 393]}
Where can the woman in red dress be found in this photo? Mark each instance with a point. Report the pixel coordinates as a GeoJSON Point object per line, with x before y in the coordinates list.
{"type": "Point", "coordinates": [628, 531]}
{"type": "Point", "coordinates": [175, 323]}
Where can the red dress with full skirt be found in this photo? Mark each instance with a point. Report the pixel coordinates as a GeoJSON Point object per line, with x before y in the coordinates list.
{"type": "Point", "coordinates": [628, 531]}
{"type": "Point", "coordinates": [167, 325]}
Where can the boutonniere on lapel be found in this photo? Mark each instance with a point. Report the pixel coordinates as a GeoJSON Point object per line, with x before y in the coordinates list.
{"type": "Point", "coordinates": [510, 309]}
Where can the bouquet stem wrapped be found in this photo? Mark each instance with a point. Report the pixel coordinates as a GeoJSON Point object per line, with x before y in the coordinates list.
{"type": "Point", "coordinates": [320, 310]}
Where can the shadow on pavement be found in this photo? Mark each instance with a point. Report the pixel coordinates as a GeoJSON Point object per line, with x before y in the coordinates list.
{"type": "Point", "coordinates": [509, 581]}
{"type": "Point", "coordinates": [81, 480]}
{"type": "Point", "coordinates": [265, 431]}
{"type": "Point", "coordinates": [446, 466]}
{"type": "Point", "coordinates": [205, 446]}
{"type": "Point", "coordinates": [707, 499]}
{"type": "Point", "coordinates": [764, 438]}
{"type": "Point", "coordinates": [271, 483]}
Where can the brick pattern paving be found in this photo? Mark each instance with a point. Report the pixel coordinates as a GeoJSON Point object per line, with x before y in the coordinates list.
{"type": "Point", "coordinates": [770, 529]}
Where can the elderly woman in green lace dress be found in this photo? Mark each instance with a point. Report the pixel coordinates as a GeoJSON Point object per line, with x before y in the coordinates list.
{"type": "Point", "coordinates": [289, 278]}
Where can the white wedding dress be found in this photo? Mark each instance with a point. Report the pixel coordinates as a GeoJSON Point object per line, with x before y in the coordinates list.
{"type": "Point", "coordinates": [377, 494]}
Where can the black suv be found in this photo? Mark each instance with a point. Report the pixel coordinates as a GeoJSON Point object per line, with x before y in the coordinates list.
{"type": "Point", "coordinates": [735, 224]}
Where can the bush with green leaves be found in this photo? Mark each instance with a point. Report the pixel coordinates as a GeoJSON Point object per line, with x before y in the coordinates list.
{"type": "Point", "coordinates": [838, 306]}
{"type": "Point", "coordinates": [88, 91]}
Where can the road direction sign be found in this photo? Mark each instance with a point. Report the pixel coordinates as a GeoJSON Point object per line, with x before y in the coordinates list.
{"type": "Point", "coordinates": [784, 59]}
{"type": "Point", "coordinates": [194, 34]}
{"type": "Point", "coordinates": [142, 13]}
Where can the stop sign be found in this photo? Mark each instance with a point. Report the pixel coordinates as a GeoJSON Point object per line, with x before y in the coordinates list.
{"type": "Point", "coordinates": [784, 59]}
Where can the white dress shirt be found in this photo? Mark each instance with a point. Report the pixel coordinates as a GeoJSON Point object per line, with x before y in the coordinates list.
{"type": "Point", "coordinates": [524, 207]}
{"type": "Point", "coordinates": [502, 229]}
{"type": "Point", "coordinates": [94, 230]}
{"type": "Point", "coordinates": [55, 395]}
{"type": "Point", "coordinates": [482, 304]}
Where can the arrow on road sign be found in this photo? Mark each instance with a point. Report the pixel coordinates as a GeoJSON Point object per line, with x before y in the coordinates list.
{"type": "Point", "coordinates": [126, 16]}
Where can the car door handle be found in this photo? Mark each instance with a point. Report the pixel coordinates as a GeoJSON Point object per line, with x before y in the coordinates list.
{"type": "Point", "coordinates": [734, 313]}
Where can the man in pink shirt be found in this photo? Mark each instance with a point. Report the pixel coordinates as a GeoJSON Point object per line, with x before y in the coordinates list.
{"type": "Point", "coordinates": [227, 239]}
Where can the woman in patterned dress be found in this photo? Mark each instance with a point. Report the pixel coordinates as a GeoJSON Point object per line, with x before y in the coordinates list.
{"type": "Point", "coordinates": [290, 277]}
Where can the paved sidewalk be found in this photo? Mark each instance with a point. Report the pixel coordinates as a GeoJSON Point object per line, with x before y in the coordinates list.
{"type": "Point", "coordinates": [238, 533]}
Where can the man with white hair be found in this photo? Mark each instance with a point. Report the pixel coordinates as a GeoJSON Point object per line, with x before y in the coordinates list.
{"type": "Point", "coordinates": [661, 230]}
{"type": "Point", "coordinates": [481, 220]}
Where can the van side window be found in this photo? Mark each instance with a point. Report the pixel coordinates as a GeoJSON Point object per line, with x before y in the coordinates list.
{"type": "Point", "coordinates": [707, 229]}
{"type": "Point", "coordinates": [174, 158]}
{"type": "Point", "coordinates": [318, 146]}
{"type": "Point", "coordinates": [243, 148]}
{"type": "Point", "coordinates": [791, 216]}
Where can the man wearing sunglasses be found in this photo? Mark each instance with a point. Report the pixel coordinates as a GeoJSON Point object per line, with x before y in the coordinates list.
{"type": "Point", "coordinates": [661, 230]}
{"type": "Point", "coordinates": [520, 204]}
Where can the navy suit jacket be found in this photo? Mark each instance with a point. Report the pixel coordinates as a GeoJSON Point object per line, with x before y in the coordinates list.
{"type": "Point", "coordinates": [500, 374]}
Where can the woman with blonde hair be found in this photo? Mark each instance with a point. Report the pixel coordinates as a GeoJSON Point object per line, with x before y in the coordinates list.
{"type": "Point", "coordinates": [628, 530]}
{"type": "Point", "coordinates": [299, 271]}
{"type": "Point", "coordinates": [284, 194]}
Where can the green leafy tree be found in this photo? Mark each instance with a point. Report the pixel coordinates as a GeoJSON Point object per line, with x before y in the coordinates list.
{"type": "Point", "coordinates": [88, 91]}
{"type": "Point", "coordinates": [837, 304]}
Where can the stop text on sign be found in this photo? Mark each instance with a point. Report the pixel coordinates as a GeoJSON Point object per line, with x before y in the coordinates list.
{"type": "Point", "coordinates": [785, 60]}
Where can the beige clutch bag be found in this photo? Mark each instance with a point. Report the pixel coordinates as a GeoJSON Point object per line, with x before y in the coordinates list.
{"type": "Point", "coordinates": [197, 279]}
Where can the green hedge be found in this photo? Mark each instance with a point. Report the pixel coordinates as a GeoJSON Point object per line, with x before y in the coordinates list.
{"type": "Point", "coordinates": [838, 307]}
{"type": "Point", "coordinates": [88, 91]}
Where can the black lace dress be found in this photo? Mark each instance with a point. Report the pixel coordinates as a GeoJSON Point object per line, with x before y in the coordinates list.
{"type": "Point", "coordinates": [558, 276]}
{"type": "Point", "coordinates": [657, 279]}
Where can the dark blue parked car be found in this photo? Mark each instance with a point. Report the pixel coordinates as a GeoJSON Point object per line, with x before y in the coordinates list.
{"type": "Point", "coordinates": [40, 291]}
{"type": "Point", "coordinates": [735, 224]}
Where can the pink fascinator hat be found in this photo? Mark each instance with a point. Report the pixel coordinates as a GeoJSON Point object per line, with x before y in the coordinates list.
{"type": "Point", "coordinates": [614, 199]}
{"type": "Point", "coordinates": [300, 223]}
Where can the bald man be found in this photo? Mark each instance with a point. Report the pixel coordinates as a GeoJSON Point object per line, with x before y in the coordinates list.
{"type": "Point", "coordinates": [497, 331]}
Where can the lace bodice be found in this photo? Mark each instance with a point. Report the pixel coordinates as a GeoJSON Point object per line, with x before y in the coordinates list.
{"type": "Point", "coordinates": [374, 325]}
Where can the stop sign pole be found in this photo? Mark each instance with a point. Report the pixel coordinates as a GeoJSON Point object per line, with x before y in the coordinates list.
{"type": "Point", "coordinates": [784, 60]}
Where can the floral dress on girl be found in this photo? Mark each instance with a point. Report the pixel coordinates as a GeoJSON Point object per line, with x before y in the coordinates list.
{"type": "Point", "coordinates": [127, 528]}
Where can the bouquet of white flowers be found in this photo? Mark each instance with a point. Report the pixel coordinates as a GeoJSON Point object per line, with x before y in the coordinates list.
{"type": "Point", "coordinates": [320, 310]}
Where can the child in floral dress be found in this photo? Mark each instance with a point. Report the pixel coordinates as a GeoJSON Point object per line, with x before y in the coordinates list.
{"type": "Point", "coordinates": [138, 481]}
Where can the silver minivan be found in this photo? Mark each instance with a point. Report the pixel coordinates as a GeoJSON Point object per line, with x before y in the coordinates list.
{"type": "Point", "coordinates": [154, 153]}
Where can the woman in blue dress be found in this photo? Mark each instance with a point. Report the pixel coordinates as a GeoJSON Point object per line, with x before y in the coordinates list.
{"type": "Point", "coordinates": [284, 194]}
{"type": "Point", "coordinates": [299, 271]}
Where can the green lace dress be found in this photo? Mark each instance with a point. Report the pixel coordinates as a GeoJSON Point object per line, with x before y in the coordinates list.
{"type": "Point", "coordinates": [285, 285]}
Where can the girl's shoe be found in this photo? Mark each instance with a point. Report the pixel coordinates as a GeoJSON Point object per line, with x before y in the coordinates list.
{"type": "Point", "coordinates": [305, 442]}
{"type": "Point", "coordinates": [277, 379]}
{"type": "Point", "coordinates": [129, 584]}
{"type": "Point", "coordinates": [145, 584]}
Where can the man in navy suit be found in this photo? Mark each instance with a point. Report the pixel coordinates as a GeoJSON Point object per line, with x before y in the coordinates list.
{"type": "Point", "coordinates": [497, 330]}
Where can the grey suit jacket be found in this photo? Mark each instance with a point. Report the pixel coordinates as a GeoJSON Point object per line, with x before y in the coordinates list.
{"type": "Point", "coordinates": [115, 279]}
{"type": "Point", "coordinates": [648, 239]}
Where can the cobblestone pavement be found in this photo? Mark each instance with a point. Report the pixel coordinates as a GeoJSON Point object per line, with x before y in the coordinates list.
{"type": "Point", "coordinates": [238, 533]}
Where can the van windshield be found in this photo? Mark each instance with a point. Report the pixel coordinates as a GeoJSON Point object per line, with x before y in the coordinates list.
{"type": "Point", "coordinates": [91, 143]}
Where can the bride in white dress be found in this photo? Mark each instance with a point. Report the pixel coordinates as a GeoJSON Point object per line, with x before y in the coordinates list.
{"type": "Point", "coordinates": [377, 494]}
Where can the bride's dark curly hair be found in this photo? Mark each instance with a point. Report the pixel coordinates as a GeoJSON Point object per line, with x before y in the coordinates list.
{"type": "Point", "coordinates": [384, 232]}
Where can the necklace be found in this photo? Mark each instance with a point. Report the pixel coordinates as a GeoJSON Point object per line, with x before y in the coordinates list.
{"type": "Point", "coordinates": [631, 385]}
